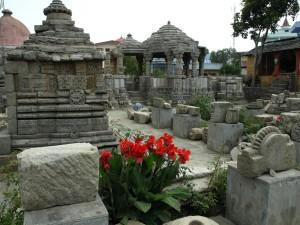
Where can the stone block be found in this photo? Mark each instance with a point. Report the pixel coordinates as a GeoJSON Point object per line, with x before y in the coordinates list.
{"type": "Point", "coordinates": [142, 117]}
{"type": "Point", "coordinates": [158, 102]}
{"type": "Point", "coordinates": [297, 146]}
{"type": "Point", "coordinates": [87, 213]}
{"type": "Point", "coordinates": [194, 111]}
{"type": "Point", "coordinates": [162, 118]}
{"type": "Point", "coordinates": [293, 104]}
{"type": "Point", "coordinates": [9, 83]}
{"type": "Point", "coordinates": [58, 175]}
{"type": "Point", "coordinates": [5, 142]}
{"type": "Point", "coordinates": [183, 124]}
{"type": "Point", "coordinates": [232, 116]}
{"type": "Point", "coordinates": [264, 200]}
{"type": "Point", "coordinates": [130, 113]}
{"type": "Point", "coordinates": [219, 111]}
{"type": "Point", "coordinates": [223, 137]}
{"type": "Point", "coordinates": [182, 109]}
{"type": "Point", "coordinates": [192, 220]}
{"type": "Point", "coordinates": [15, 67]}
{"type": "Point", "coordinates": [196, 134]}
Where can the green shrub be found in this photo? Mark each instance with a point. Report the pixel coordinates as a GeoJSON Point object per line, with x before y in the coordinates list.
{"type": "Point", "coordinates": [251, 124]}
{"type": "Point", "coordinates": [10, 209]}
{"type": "Point", "coordinates": [158, 73]}
{"type": "Point", "coordinates": [204, 103]}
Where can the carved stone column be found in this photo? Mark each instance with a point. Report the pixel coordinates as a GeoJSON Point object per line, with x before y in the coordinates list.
{"type": "Point", "coordinates": [139, 59]}
{"type": "Point", "coordinates": [179, 64]}
{"type": "Point", "coordinates": [195, 64]}
{"type": "Point", "coordinates": [169, 58]}
{"type": "Point", "coordinates": [107, 64]}
{"type": "Point", "coordinates": [148, 60]}
{"type": "Point", "coordinates": [120, 65]}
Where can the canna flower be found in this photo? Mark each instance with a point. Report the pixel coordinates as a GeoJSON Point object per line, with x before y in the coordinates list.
{"type": "Point", "coordinates": [105, 156]}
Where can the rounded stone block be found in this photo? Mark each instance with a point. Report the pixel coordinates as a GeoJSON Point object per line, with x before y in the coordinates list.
{"type": "Point", "coordinates": [192, 220]}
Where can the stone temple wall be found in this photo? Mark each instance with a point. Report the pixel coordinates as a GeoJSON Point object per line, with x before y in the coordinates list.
{"type": "Point", "coordinates": [179, 88]}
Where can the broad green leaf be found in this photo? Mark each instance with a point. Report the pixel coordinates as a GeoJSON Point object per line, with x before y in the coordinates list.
{"type": "Point", "coordinates": [124, 220]}
{"type": "Point", "coordinates": [179, 193]}
{"type": "Point", "coordinates": [172, 202]}
{"type": "Point", "coordinates": [142, 206]}
{"type": "Point", "coordinates": [164, 215]}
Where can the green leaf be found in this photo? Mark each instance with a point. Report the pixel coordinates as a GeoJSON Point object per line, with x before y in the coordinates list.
{"type": "Point", "coordinates": [172, 202]}
{"type": "Point", "coordinates": [164, 215]}
{"type": "Point", "coordinates": [142, 206]}
{"type": "Point", "coordinates": [180, 193]}
{"type": "Point", "coordinates": [124, 220]}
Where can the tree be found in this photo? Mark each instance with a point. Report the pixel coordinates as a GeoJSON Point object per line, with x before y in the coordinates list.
{"type": "Point", "coordinates": [230, 60]}
{"type": "Point", "coordinates": [257, 18]}
{"type": "Point", "coordinates": [131, 65]}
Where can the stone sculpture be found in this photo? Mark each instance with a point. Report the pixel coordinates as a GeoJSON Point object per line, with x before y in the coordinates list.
{"type": "Point", "coordinates": [270, 149]}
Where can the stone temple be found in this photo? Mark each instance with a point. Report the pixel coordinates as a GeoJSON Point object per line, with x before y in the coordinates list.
{"type": "Point", "coordinates": [55, 87]}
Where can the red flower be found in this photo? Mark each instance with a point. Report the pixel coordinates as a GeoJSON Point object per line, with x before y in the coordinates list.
{"type": "Point", "coordinates": [104, 158]}
{"type": "Point", "coordinates": [172, 152]}
{"type": "Point", "coordinates": [126, 147]}
{"type": "Point", "coordinates": [150, 142]}
{"type": "Point", "coordinates": [138, 140]}
{"type": "Point", "coordinates": [167, 138]}
{"type": "Point", "coordinates": [138, 152]}
{"type": "Point", "coordinates": [184, 155]}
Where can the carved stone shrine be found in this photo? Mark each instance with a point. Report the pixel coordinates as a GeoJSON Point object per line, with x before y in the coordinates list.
{"type": "Point", "coordinates": [55, 86]}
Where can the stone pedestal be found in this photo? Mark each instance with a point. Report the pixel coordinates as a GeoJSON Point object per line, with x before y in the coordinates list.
{"type": "Point", "coordinates": [162, 118]}
{"type": "Point", "coordinates": [264, 200]}
{"type": "Point", "coordinates": [297, 145]}
{"type": "Point", "coordinates": [5, 142]}
{"type": "Point", "coordinates": [88, 213]}
{"type": "Point", "coordinates": [223, 137]}
{"type": "Point", "coordinates": [183, 124]}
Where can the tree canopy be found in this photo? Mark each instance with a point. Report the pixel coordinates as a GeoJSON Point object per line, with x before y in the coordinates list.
{"type": "Point", "coordinates": [230, 59]}
{"type": "Point", "coordinates": [259, 17]}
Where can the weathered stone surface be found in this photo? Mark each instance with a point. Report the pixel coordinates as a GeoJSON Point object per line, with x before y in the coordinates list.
{"type": "Point", "coordinates": [142, 117]}
{"type": "Point", "coordinates": [162, 118]}
{"type": "Point", "coordinates": [183, 124]}
{"type": "Point", "coordinates": [87, 213]}
{"type": "Point", "coordinates": [196, 134]}
{"type": "Point", "coordinates": [232, 116]}
{"type": "Point", "coordinates": [194, 111]}
{"type": "Point", "coordinates": [205, 135]}
{"type": "Point", "coordinates": [265, 118]}
{"type": "Point", "coordinates": [269, 150]}
{"type": "Point", "coordinates": [58, 175]}
{"type": "Point", "coordinates": [260, 103]}
{"type": "Point", "coordinates": [264, 200]}
{"type": "Point", "coordinates": [130, 113]}
{"type": "Point", "coordinates": [223, 137]}
{"type": "Point", "coordinates": [293, 104]}
{"type": "Point", "coordinates": [182, 109]}
{"type": "Point", "coordinates": [295, 133]}
{"type": "Point", "coordinates": [5, 142]}
{"type": "Point", "coordinates": [158, 102]}
{"type": "Point", "coordinates": [219, 111]}
{"type": "Point", "coordinates": [237, 150]}
{"type": "Point", "coordinates": [131, 222]}
{"type": "Point", "coordinates": [289, 119]}
{"type": "Point", "coordinates": [297, 146]}
{"type": "Point", "coordinates": [192, 220]}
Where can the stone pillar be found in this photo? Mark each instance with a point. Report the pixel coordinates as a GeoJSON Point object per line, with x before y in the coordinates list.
{"type": "Point", "coordinates": [139, 59]}
{"type": "Point", "coordinates": [179, 64]}
{"type": "Point", "coordinates": [195, 65]}
{"type": "Point", "coordinates": [120, 66]}
{"type": "Point", "coordinates": [276, 71]}
{"type": "Point", "coordinates": [169, 58]}
{"type": "Point", "coordinates": [148, 65]}
{"type": "Point", "coordinates": [107, 64]}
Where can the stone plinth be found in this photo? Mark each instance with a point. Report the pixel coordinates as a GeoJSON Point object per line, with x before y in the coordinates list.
{"type": "Point", "coordinates": [264, 200]}
{"type": "Point", "coordinates": [297, 146]}
{"type": "Point", "coordinates": [58, 175]}
{"type": "Point", "coordinates": [5, 142]}
{"type": "Point", "coordinates": [142, 117]}
{"type": "Point", "coordinates": [219, 111]}
{"type": "Point", "coordinates": [293, 104]}
{"type": "Point", "coordinates": [223, 137]}
{"type": "Point", "coordinates": [162, 118]}
{"type": "Point", "coordinates": [192, 220]}
{"type": "Point", "coordinates": [88, 213]}
{"type": "Point", "coordinates": [183, 124]}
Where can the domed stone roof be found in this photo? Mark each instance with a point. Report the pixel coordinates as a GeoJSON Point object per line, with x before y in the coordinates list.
{"type": "Point", "coordinates": [130, 45]}
{"type": "Point", "coordinates": [170, 38]}
{"type": "Point", "coordinates": [12, 31]}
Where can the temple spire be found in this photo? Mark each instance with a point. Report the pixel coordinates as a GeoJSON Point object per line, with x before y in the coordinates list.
{"type": "Point", "coordinates": [57, 6]}
{"type": "Point", "coordinates": [285, 23]}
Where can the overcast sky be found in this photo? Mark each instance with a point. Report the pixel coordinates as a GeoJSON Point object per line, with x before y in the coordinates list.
{"type": "Point", "coordinates": [207, 21]}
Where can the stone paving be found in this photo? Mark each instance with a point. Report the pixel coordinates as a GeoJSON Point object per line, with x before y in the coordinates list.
{"type": "Point", "coordinates": [201, 158]}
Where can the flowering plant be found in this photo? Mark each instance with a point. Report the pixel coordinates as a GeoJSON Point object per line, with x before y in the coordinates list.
{"type": "Point", "coordinates": [133, 180]}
